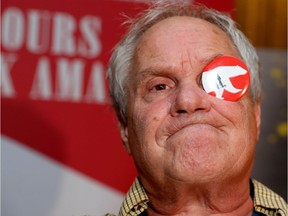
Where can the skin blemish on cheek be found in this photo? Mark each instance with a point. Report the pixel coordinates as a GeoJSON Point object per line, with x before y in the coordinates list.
{"type": "Point", "coordinates": [155, 118]}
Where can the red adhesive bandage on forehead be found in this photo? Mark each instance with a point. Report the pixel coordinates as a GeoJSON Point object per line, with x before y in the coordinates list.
{"type": "Point", "coordinates": [226, 77]}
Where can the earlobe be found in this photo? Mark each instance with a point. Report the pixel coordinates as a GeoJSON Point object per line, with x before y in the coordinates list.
{"type": "Point", "coordinates": [124, 136]}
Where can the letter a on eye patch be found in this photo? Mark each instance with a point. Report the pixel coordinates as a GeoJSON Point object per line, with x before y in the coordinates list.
{"type": "Point", "coordinates": [226, 77]}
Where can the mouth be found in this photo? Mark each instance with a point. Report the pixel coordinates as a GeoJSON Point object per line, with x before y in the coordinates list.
{"type": "Point", "coordinates": [195, 128]}
{"type": "Point", "coordinates": [195, 125]}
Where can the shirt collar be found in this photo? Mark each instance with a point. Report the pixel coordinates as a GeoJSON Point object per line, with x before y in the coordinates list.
{"type": "Point", "coordinates": [136, 200]}
{"type": "Point", "coordinates": [264, 199]}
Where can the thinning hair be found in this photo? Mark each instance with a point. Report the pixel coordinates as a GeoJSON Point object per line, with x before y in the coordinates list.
{"type": "Point", "coordinates": [121, 61]}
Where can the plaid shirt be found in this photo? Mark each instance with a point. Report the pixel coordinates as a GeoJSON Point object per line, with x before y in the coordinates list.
{"type": "Point", "coordinates": [265, 201]}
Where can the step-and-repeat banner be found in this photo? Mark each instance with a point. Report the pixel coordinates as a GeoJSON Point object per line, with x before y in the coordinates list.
{"type": "Point", "coordinates": [61, 149]}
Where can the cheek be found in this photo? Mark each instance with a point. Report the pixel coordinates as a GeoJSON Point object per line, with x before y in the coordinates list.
{"type": "Point", "coordinates": [245, 132]}
{"type": "Point", "coordinates": [143, 125]}
{"type": "Point", "coordinates": [145, 120]}
{"type": "Point", "coordinates": [233, 112]}
{"type": "Point", "coordinates": [241, 118]}
{"type": "Point", "coordinates": [150, 114]}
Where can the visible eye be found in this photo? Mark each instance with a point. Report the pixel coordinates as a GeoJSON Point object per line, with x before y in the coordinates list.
{"type": "Point", "coordinates": [160, 87]}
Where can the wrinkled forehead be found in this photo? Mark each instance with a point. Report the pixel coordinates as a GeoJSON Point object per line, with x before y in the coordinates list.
{"type": "Point", "coordinates": [174, 26]}
{"type": "Point", "coordinates": [177, 37]}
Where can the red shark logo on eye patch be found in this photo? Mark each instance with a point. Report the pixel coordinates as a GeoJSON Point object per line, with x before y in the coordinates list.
{"type": "Point", "coordinates": [226, 78]}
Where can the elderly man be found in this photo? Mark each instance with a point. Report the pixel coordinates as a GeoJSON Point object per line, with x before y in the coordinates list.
{"type": "Point", "coordinates": [185, 86]}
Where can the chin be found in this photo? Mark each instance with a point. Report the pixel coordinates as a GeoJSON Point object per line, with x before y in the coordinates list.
{"type": "Point", "coordinates": [209, 171]}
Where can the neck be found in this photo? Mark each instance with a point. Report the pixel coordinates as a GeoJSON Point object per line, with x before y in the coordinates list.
{"type": "Point", "coordinates": [216, 199]}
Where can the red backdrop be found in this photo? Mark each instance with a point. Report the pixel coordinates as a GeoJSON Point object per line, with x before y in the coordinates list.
{"type": "Point", "coordinates": [53, 86]}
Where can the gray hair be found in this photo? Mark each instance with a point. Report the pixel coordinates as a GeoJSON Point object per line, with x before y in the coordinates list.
{"type": "Point", "coordinates": [121, 60]}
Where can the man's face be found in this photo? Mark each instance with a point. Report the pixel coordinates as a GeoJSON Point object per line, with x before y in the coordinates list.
{"type": "Point", "coordinates": [176, 131]}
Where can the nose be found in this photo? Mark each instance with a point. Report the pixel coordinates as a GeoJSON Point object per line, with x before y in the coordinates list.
{"type": "Point", "coordinates": [189, 99]}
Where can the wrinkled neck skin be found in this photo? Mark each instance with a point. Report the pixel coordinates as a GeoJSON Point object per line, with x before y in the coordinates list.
{"type": "Point", "coordinates": [209, 199]}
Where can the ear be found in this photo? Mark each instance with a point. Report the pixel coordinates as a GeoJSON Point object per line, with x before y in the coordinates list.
{"type": "Point", "coordinates": [124, 136]}
{"type": "Point", "coordinates": [257, 112]}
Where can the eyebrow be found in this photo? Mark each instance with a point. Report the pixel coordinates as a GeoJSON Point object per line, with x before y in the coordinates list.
{"type": "Point", "coordinates": [170, 70]}
{"type": "Point", "coordinates": [156, 71]}
{"type": "Point", "coordinates": [210, 59]}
